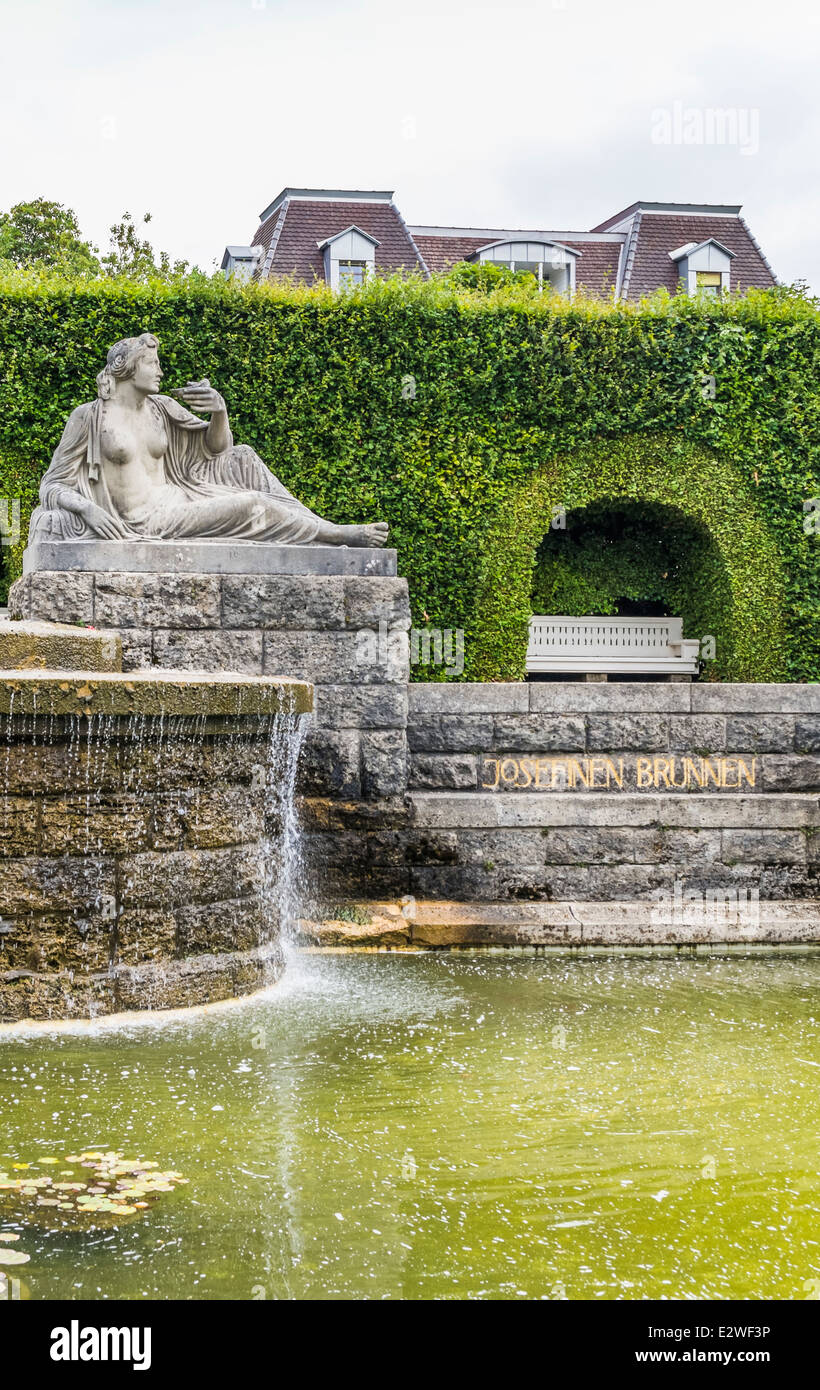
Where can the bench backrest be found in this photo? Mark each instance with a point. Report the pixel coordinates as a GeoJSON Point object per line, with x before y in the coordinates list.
{"type": "Point", "coordinates": [603, 636]}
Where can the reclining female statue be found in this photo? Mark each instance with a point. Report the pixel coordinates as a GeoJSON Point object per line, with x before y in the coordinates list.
{"type": "Point", "coordinates": [135, 465]}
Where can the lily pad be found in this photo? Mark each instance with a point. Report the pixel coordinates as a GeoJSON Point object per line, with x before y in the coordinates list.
{"type": "Point", "coordinates": [13, 1257]}
{"type": "Point", "coordinates": [99, 1190]}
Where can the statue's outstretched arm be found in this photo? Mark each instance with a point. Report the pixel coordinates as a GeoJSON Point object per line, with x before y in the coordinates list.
{"type": "Point", "coordinates": [202, 396]}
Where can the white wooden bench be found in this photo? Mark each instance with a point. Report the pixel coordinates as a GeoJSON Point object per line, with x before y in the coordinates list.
{"type": "Point", "coordinates": [597, 647]}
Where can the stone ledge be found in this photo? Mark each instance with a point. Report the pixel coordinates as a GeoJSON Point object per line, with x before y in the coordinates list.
{"type": "Point", "coordinates": [439, 697]}
{"type": "Point", "coordinates": [205, 557]}
{"type": "Point", "coordinates": [431, 924]}
{"type": "Point", "coordinates": [614, 697]}
{"type": "Point", "coordinates": [32, 645]}
{"type": "Point", "coordinates": [149, 692]}
{"type": "Point", "coordinates": [756, 699]}
{"type": "Point", "coordinates": [480, 810]}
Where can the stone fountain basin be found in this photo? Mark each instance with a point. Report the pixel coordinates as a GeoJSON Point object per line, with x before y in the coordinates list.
{"type": "Point", "coordinates": [151, 692]}
{"type": "Point", "coordinates": [136, 815]}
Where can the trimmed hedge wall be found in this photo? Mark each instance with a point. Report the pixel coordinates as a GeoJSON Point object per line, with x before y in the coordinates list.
{"type": "Point", "coordinates": [732, 581]}
{"type": "Point", "coordinates": [464, 418]}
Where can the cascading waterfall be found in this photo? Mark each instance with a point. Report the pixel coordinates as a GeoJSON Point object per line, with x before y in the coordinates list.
{"type": "Point", "coordinates": [151, 854]}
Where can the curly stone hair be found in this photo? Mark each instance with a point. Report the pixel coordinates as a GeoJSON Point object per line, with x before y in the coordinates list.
{"type": "Point", "coordinates": [121, 361]}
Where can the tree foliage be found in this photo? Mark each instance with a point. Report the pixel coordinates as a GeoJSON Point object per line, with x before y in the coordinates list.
{"type": "Point", "coordinates": [44, 234]}
{"type": "Point", "coordinates": [132, 256]}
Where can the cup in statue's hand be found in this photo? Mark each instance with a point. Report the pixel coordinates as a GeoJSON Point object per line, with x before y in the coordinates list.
{"type": "Point", "coordinates": [200, 395]}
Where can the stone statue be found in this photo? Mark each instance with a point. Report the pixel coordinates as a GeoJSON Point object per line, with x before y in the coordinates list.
{"type": "Point", "coordinates": [135, 465]}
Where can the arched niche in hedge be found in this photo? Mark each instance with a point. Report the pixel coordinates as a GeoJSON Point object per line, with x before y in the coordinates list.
{"type": "Point", "coordinates": [667, 470]}
{"type": "Point", "coordinates": [630, 553]}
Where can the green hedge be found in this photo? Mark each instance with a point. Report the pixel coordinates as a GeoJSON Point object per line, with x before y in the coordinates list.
{"type": "Point", "coordinates": [518, 403]}
{"type": "Point", "coordinates": [729, 581]}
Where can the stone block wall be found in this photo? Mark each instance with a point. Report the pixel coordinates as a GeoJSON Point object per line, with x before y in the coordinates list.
{"type": "Point", "coordinates": [549, 793]}
{"type": "Point", "coordinates": [332, 630]}
{"type": "Point", "coordinates": [562, 792]}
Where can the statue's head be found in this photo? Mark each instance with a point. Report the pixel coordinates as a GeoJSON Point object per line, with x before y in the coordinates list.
{"type": "Point", "coordinates": [131, 358]}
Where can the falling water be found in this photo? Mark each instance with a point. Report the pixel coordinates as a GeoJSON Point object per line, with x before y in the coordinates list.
{"type": "Point", "coordinates": [142, 780]}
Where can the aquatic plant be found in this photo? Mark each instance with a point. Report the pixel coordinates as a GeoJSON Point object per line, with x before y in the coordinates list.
{"type": "Point", "coordinates": [92, 1187]}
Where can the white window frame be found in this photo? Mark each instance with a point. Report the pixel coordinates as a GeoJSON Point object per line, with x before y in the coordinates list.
{"type": "Point", "coordinates": [550, 255]}
{"type": "Point", "coordinates": [350, 245]}
{"type": "Point", "coordinates": [708, 255]}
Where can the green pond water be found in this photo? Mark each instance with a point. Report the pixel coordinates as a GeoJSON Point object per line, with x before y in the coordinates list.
{"type": "Point", "coordinates": [446, 1126]}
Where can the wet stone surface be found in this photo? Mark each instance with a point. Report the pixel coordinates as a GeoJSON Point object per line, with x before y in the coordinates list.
{"type": "Point", "coordinates": [143, 860]}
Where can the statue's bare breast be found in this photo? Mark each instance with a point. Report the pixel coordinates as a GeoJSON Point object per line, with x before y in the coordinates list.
{"type": "Point", "coordinates": [132, 446]}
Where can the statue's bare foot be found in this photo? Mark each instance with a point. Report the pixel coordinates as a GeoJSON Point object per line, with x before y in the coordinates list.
{"type": "Point", "coordinates": [373, 535]}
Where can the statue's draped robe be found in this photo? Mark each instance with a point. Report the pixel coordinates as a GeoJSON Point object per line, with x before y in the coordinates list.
{"type": "Point", "coordinates": [204, 495]}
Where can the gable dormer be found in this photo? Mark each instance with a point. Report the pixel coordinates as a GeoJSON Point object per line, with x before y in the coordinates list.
{"type": "Point", "coordinates": [704, 267]}
{"type": "Point", "coordinates": [242, 261]}
{"type": "Point", "coordinates": [349, 257]}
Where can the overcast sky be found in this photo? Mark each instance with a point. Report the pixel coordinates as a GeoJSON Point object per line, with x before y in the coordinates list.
{"type": "Point", "coordinates": [549, 115]}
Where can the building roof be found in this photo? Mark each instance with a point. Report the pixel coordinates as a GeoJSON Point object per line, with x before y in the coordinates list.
{"type": "Point", "coordinates": [629, 253]}
{"type": "Point", "coordinates": [655, 235]}
{"type": "Point", "coordinates": [682, 209]}
{"type": "Point", "coordinates": [298, 223]}
{"type": "Point", "coordinates": [596, 268]}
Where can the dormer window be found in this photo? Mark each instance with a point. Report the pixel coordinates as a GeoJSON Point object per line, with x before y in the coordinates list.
{"type": "Point", "coordinates": [708, 282]}
{"type": "Point", "coordinates": [242, 261]}
{"type": "Point", "coordinates": [551, 264]}
{"type": "Point", "coordinates": [704, 267]}
{"type": "Point", "coordinates": [351, 273]}
{"type": "Point", "coordinates": [349, 257]}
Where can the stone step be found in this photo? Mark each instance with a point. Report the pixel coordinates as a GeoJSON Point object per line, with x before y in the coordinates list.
{"type": "Point", "coordinates": [45, 646]}
{"type": "Point", "coordinates": [419, 923]}
{"type": "Point", "coordinates": [521, 810]}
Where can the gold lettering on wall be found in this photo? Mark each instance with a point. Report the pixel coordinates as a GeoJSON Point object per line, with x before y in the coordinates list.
{"type": "Point", "coordinates": [644, 777]}
{"type": "Point", "coordinates": [675, 772]}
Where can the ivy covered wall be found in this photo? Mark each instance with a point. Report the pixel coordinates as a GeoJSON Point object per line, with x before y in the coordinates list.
{"type": "Point", "coordinates": [469, 420]}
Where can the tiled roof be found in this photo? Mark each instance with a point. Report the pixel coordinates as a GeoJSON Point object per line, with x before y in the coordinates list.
{"type": "Point", "coordinates": [634, 259]}
{"type": "Point", "coordinates": [729, 209]}
{"type": "Point", "coordinates": [443, 252]}
{"type": "Point", "coordinates": [299, 225]}
{"type": "Point", "coordinates": [659, 233]}
{"type": "Point", "coordinates": [618, 217]}
{"type": "Point", "coordinates": [596, 269]}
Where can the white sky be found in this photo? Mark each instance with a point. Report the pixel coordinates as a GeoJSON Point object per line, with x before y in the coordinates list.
{"type": "Point", "coordinates": [539, 114]}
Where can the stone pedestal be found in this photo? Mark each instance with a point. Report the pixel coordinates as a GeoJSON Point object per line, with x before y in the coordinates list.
{"type": "Point", "coordinates": [203, 557]}
{"type": "Point", "coordinates": [333, 615]}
